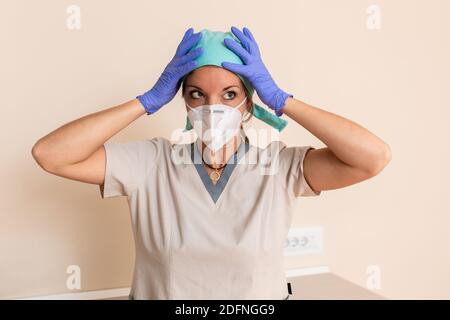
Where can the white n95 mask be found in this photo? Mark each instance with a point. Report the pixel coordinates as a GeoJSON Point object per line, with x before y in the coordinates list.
{"type": "Point", "coordinates": [215, 124]}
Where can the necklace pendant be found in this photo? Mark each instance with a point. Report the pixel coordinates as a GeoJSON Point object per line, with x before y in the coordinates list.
{"type": "Point", "coordinates": [214, 175]}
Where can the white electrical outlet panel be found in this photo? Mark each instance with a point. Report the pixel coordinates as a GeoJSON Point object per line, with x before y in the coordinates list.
{"type": "Point", "coordinates": [304, 241]}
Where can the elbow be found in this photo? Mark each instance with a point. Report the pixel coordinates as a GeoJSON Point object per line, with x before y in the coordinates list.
{"type": "Point", "coordinates": [41, 157]}
{"type": "Point", "coordinates": [36, 152]}
{"type": "Point", "coordinates": [381, 161]}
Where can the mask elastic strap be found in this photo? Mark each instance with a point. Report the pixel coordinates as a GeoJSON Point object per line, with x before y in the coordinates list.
{"type": "Point", "coordinates": [189, 107]}
{"type": "Point", "coordinates": [240, 104]}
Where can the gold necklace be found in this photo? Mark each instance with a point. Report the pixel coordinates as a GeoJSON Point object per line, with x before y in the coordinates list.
{"type": "Point", "coordinates": [214, 175]}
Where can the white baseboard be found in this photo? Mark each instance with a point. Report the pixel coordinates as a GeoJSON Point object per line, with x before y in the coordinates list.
{"type": "Point", "coordinates": [124, 292]}
{"type": "Point", "coordinates": [85, 295]}
{"type": "Point", "coordinates": [299, 272]}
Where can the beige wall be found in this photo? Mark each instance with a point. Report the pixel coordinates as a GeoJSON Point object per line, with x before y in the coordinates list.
{"type": "Point", "coordinates": [394, 81]}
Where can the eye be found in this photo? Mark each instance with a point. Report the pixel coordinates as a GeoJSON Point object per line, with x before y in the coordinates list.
{"type": "Point", "coordinates": [230, 97]}
{"type": "Point", "coordinates": [195, 94]}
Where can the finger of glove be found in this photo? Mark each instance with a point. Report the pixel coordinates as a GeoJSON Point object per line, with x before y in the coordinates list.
{"type": "Point", "coordinates": [254, 49]}
{"type": "Point", "coordinates": [188, 43]}
{"type": "Point", "coordinates": [187, 34]}
{"type": "Point", "coordinates": [242, 38]}
{"type": "Point", "coordinates": [192, 55]}
{"type": "Point", "coordinates": [236, 68]}
{"type": "Point", "coordinates": [186, 68]}
{"type": "Point", "coordinates": [238, 49]}
{"type": "Point", "coordinates": [249, 34]}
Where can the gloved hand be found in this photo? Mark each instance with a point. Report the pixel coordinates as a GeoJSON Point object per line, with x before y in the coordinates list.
{"type": "Point", "coordinates": [169, 82]}
{"type": "Point", "coordinates": [255, 70]}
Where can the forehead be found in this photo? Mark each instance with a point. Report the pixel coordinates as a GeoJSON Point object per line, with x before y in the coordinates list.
{"type": "Point", "coordinates": [213, 78]}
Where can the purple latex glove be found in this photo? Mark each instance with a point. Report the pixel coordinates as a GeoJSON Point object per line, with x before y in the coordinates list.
{"type": "Point", "coordinates": [255, 70]}
{"type": "Point", "coordinates": [169, 82]}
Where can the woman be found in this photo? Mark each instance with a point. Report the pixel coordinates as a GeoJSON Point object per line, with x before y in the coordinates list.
{"type": "Point", "coordinates": [210, 218]}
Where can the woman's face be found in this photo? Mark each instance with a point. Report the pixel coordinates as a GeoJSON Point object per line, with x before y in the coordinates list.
{"type": "Point", "coordinates": [211, 85]}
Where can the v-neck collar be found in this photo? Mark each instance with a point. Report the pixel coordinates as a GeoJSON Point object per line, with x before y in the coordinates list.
{"type": "Point", "coordinates": [215, 190]}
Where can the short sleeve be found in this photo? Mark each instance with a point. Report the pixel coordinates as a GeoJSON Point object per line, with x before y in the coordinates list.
{"type": "Point", "coordinates": [291, 170]}
{"type": "Point", "coordinates": [127, 165]}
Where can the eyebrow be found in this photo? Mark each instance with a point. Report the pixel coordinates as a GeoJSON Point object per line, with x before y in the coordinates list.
{"type": "Point", "coordinates": [202, 89]}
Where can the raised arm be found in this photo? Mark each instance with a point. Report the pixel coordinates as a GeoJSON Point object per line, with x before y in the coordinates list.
{"type": "Point", "coordinates": [353, 154]}
{"type": "Point", "coordinates": [75, 150]}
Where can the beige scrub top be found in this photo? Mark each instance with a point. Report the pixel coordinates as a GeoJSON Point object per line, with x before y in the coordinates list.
{"type": "Point", "coordinates": [197, 240]}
